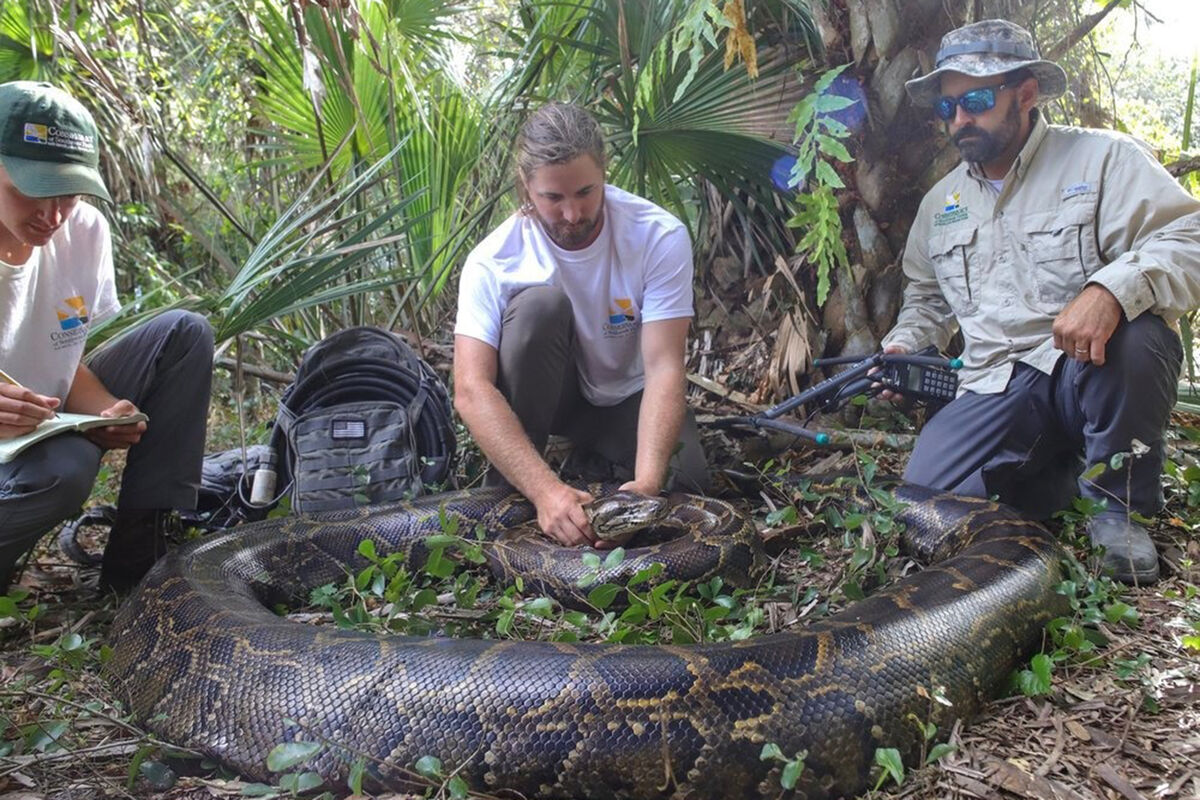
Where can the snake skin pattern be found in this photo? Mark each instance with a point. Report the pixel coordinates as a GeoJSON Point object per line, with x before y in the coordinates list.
{"type": "Point", "coordinates": [205, 664]}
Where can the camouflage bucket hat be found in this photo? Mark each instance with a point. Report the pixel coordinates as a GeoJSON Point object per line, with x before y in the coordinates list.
{"type": "Point", "coordinates": [985, 48]}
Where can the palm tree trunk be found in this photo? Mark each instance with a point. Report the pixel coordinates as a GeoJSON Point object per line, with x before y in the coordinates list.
{"type": "Point", "coordinates": [897, 156]}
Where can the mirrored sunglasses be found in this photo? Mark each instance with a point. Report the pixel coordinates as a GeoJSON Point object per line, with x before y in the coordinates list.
{"type": "Point", "coordinates": [975, 101]}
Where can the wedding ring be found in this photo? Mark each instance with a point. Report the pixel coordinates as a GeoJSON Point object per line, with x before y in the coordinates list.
{"type": "Point", "coordinates": [1081, 349]}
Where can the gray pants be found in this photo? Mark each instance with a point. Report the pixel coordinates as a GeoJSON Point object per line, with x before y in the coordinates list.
{"type": "Point", "coordinates": [1030, 443]}
{"type": "Point", "coordinates": [538, 377]}
{"type": "Point", "coordinates": [164, 367]}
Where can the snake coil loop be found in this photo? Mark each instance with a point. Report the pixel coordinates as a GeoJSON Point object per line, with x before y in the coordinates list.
{"type": "Point", "coordinates": [205, 665]}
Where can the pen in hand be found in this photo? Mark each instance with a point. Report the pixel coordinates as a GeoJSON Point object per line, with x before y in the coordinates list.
{"type": "Point", "coordinates": [9, 379]}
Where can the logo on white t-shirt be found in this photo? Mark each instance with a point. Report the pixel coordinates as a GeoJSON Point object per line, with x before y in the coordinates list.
{"type": "Point", "coordinates": [622, 319]}
{"type": "Point", "coordinates": [75, 317]}
{"type": "Point", "coordinates": [623, 311]}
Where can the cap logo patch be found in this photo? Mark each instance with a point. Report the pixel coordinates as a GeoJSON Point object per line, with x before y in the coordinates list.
{"type": "Point", "coordinates": [60, 138]}
{"type": "Point", "coordinates": [35, 134]}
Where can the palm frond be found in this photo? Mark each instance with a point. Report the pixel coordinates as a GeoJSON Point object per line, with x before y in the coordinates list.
{"type": "Point", "coordinates": [26, 49]}
{"type": "Point", "coordinates": [672, 116]}
{"type": "Point", "coordinates": [304, 259]}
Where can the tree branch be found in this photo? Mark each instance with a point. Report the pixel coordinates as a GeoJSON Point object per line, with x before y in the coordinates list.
{"type": "Point", "coordinates": [1184, 166]}
{"type": "Point", "coordinates": [1085, 26]}
{"type": "Point", "coordinates": [262, 373]}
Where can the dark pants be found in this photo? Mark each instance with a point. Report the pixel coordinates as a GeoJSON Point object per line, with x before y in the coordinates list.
{"type": "Point", "coordinates": [537, 375]}
{"type": "Point", "coordinates": [1030, 444]}
{"type": "Point", "coordinates": [164, 367]}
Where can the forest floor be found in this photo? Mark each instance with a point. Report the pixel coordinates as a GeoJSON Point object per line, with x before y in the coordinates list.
{"type": "Point", "coordinates": [1119, 721]}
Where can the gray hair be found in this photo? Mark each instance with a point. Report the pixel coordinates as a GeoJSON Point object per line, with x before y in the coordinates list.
{"type": "Point", "coordinates": [555, 134]}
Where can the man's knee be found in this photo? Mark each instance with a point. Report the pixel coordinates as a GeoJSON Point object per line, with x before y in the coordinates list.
{"type": "Point", "coordinates": [936, 461]}
{"type": "Point", "coordinates": [535, 371]}
{"type": "Point", "coordinates": [1144, 354]}
{"type": "Point", "coordinates": [188, 325]}
{"type": "Point", "coordinates": [173, 342]}
{"type": "Point", "coordinates": [41, 489]}
{"type": "Point", "coordinates": [193, 332]}
{"type": "Point", "coordinates": [59, 471]}
{"type": "Point", "coordinates": [195, 327]}
{"type": "Point", "coordinates": [925, 471]}
{"type": "Point", "coordinates": [533, 313]}
{"type": "Point", "coordinates": [1145, 348]}
{"type": "Point", "coordinates": [689, 464]}
{"type": "Point", "coordinates": [38, 505]}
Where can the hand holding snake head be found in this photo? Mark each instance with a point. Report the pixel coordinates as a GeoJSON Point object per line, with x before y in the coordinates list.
{"type": "Point", "coordinates": [618, 516]}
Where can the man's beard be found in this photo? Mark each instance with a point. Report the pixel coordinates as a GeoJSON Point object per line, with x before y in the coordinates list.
{"type": "Point", "coordinates": [984, 147]}
{"type": "Point", "coordinates": [570, 234]}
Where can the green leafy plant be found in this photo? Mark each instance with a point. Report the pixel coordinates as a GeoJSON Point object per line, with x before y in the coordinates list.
{"type": "Point", "coordinates": [13, 606]}
{"type": "Point", "coordinates": [283, 759]}
{"type": "Point", "coordinates": [1077, 639]}
{"type": "Point", "coordinates": [1035, 681]}
{"type": "Point", "coordinates": [446, 785]}
{"type": "Point", "coordinates": [819, 217]}
{"type": "Point", "coordinates": [792, 768]}
{"type": "Point", "coordinates": [928, 728]}
{"type": "Point", "coordinates": [890, 765]}
{"type": "Point", "coordinates": [819, 138]}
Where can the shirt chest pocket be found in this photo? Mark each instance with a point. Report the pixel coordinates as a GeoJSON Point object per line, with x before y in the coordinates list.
{"type": "Point", "coordinates": [1062, 253]}
{"type": "Point", "coordinates": [951, 251]}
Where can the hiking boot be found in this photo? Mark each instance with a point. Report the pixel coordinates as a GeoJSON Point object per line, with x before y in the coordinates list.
{"type": "Point", "coordinates": [137, 540]}
{"type": "Point", "coordinates": [1128, 552]}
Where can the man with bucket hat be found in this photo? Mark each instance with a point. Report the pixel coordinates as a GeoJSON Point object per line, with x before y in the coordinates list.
{"type": "Point", "coordinates": [56, 282]}
{"type": "Point", "coordinates": [1065, 256]}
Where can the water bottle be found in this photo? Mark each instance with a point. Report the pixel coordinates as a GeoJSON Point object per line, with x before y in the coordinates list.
{"type": "Point", "coordinates": [262, 488]}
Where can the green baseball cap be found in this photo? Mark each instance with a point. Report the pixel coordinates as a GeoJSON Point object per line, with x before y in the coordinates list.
{"type": "Point", "coordinates": [49, 145]}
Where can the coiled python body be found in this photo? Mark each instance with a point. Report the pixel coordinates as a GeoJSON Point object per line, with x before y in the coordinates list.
{"type": "Point", "coordinates": [205, 665]}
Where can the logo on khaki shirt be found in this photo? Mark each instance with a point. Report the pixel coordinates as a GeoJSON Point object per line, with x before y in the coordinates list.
{"type": "Point", "coordinates": [953, 211]}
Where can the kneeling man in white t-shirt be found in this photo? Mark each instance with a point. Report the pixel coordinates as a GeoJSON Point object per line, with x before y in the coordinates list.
{"type": "Point", "coordinates": [573, 319]}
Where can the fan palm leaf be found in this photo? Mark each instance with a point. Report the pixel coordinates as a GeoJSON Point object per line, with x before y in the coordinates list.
{"type": "Point", "coordinates": [26, 50]}
{"type": "Point", "coordinates": [376, 80]}
{"type": "Point", "coordinates": [673, 112]}
{"type": "Point", "coordinates": [304, 259]}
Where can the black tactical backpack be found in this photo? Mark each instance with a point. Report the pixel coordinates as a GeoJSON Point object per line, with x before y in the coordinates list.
{"type": "Point", "coordinates": [366, 421]}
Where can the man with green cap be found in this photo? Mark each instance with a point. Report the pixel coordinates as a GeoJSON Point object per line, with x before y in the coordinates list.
{"type": "Point", "coordinates": [1065, 256]}
{"type": "Point", "coordinates": [56, 281]}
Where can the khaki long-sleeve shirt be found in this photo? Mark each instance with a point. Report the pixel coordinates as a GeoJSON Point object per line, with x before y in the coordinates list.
{"type": "Point", "coordinates": [1079, 206]}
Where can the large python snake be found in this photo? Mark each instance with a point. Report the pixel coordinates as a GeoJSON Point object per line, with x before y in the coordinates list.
{"type": "Point", "coordinates": [205, 664]}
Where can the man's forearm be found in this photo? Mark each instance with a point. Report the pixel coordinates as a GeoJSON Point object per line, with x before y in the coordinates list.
{"type": "Point", "coordinates": [660, 418]}
{"type": "Point", "coordinates": [88, 395]}
{"type": "Point", "coordinates": [502, 438]}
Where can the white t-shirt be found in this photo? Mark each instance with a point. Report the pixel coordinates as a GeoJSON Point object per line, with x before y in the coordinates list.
{"type": "Point", "coordinates": [638, 270]}
{"type": "Point", "coordinates": [48, 303]}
